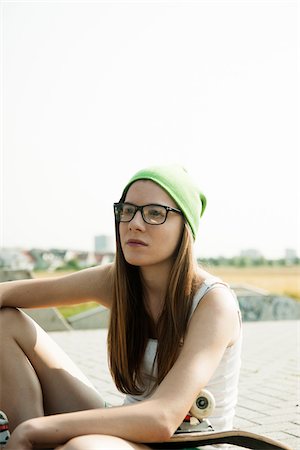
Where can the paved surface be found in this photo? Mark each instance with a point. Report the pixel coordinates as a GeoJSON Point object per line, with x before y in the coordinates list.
{"type": "Point", "coordinates": [269, 390]}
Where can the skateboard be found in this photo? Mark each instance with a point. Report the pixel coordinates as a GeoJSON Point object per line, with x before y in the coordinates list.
{"type": "Point", "coordinates": [196, 430]}
{"type": "Point", "coordinates": [4, 433]}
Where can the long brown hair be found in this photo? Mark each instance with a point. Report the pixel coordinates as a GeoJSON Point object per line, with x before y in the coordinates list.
{"type": "Point", "coordinates": [131, 324]}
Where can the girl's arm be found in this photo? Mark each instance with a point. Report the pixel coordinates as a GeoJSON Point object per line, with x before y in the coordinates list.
{"type": "Point", "coordinates": [143, 422]}
{"type": "Point", "coordinates": [88, 284]}
{"type": "Point", "coordinates": [213, 327]}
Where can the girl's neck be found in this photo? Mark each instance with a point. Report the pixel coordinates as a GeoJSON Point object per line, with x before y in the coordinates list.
{"type": "Point", "coordinates": [155, 282]}
{"type": "Point", "coordinates": [156, 279]}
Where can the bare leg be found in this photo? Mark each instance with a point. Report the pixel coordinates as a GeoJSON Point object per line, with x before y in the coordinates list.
{"type": "Point", "coordinates": [36, 376]}
{"type": "Point", "coordinates": [101, 442]}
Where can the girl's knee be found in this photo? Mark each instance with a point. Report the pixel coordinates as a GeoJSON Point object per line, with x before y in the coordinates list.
{"type": "Point", "coordinates": [14, 324]}
{"type": "Point", "coordinates": [77, 443]}
{"type": "Point", "coordinates": [100, 442]}
{"type": "Point", "coordinates": [7, 313]}
{"type": "Point", "coordinates": [63, 447]}
{"type": "Point", "coordinates": [9, 317]}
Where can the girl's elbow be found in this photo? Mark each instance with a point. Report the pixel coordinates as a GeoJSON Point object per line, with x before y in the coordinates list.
{"type": "Point", "coordinates": [164, 433]}
{"type": "Point", "coordinates": [164, 428]}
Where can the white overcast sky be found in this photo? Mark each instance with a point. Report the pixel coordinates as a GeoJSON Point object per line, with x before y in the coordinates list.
{"type": "Point", "coordinates": [93, 91]}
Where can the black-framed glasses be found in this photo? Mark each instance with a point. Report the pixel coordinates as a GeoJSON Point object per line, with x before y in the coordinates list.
{"type": "Point", "coordinates": [152, 214]}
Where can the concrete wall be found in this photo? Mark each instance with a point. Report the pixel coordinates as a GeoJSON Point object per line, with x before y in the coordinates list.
{"type": "Point", "coordinates": [258, 304]}
{"type": "Point", "coordinates": [269, 307]}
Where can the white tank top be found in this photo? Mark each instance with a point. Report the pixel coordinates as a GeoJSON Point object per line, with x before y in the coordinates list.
{"type": "Point", "coordinates": [224, 382]}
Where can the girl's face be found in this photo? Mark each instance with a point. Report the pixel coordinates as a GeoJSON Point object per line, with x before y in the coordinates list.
{"type": "Point", "coordinates": [144, 244]}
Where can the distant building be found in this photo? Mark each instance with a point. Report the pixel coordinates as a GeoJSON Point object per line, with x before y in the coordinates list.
{"type": "Point", "coordinates": [290, 255]}
{"type": "Point", "coordinates": [45, 259]}
{"type": "Point", "coordinates": [104, 244]}
{"type": "Point", "coordinates": [16, 258]}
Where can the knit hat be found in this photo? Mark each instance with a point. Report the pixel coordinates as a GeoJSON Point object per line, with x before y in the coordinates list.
{"type": "Point", "coordinates": [175, 180]}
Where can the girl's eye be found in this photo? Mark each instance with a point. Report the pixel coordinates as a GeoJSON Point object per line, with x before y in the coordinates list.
{"type": "Point", "coordinates": [155, 212]}
{"type": "Point", "coordinates": [127, 210]}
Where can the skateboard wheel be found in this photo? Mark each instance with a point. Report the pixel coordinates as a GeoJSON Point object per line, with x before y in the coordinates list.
{"type": "Point", "coordinates": [204, 405]}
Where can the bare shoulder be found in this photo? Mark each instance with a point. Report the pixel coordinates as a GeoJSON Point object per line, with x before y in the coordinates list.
{"type": "Point", "coordinates": [221, 295]}
{"type": "Point", "coordinates": [218, 313]}
{"type": "Point", "coordinates": [220, 300]}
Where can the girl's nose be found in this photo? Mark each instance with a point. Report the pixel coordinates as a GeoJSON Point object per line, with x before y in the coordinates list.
{"type": "Point", "coordinates": [137, 222]}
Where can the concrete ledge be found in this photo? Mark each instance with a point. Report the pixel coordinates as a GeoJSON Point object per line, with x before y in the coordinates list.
{"type": "Point", "coordinates": [49, 319]}
{"type": "Point", "coordinates": [17, 274]}
{"type": "Point", "coordinates": [93, 319]}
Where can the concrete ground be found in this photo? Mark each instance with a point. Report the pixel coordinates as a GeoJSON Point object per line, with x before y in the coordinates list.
{"type": "Point", "coordinates": [269, 390]}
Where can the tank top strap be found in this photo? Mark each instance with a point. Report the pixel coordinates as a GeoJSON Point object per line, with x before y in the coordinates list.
{"type": "Point", "coordinates": [206, 286]}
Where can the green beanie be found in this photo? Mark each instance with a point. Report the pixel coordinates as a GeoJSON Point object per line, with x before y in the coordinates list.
{"type": "Point", "coordinates": [175, 180]}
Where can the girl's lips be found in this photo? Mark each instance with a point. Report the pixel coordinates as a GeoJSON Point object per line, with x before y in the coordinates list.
{"type": "Point", "coordinates": [136, 243]}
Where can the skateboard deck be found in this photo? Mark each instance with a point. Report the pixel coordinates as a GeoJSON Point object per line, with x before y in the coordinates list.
{"type": "Point", "coordinates": [233, 437]}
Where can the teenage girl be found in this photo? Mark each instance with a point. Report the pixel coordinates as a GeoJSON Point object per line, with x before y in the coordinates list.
{"type": "Point", "coordinates": [174, 330]}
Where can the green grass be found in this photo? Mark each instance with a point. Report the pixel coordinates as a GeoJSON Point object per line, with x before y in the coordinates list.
{"type": "Point", "coordinates": [68, 311]}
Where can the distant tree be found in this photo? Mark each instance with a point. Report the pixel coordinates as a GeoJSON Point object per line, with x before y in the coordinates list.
{"type": "Point", "coordinates": [72, 264]}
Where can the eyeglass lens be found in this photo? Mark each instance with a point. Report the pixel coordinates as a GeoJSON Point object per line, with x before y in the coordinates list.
{"type": "Point", "coordinates": [152, 214]}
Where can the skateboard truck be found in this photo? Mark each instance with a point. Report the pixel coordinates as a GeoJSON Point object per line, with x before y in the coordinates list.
{"type": "Point", "coordinates": [188, 427]}
{"type": "Point", "coordinates": [196, 420]}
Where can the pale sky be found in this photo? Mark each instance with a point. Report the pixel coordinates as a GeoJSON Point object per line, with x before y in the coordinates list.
{"type": "Point", "coordinates": [93, 91]}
